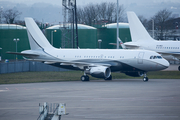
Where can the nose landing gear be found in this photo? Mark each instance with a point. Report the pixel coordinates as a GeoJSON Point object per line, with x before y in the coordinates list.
{"type": "Point", "coordinates": [145, 79]}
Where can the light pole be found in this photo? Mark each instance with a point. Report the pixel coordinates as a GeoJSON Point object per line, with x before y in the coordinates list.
{"type": "Point", "coordinates": [0, 54]}
{"type": "Point", "coordinates": [153, 28]}
{"type": "Point", "coordinates": [52, 37]}
{"type": "Point", "coordinates": [99, 41]}
{"type": "Point", "coordinates": [117, 13]}
{"type": "Point", "coordinates": [1, 14]}
{"type": "Point", "coordinates": [16, 40]}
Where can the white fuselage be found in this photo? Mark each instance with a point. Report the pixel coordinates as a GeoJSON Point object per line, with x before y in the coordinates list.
{"type": "Point", "coordinates": [169, 49]}
{"type": "Point", "coordinates": [118, 60]}
{"type": "Point", "coordinates": [142, 40]}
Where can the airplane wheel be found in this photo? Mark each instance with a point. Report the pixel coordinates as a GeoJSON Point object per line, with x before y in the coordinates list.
{"type": "Point", "coordinates": [87, 78]}
{"type": "Point", "coordinates": [84, 78]}
{"type": "Point", "coordinates": [179, 68]}
{"type": "Point", "coordinates": [109, 78]}
{"type": "Point", "coordinates": [145, 79]}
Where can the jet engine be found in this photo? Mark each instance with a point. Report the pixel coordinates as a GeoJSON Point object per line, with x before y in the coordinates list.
{"type": "Point", "coordinates": [99, 72]}
{"type": "Point", "coordinates": [134, 74]}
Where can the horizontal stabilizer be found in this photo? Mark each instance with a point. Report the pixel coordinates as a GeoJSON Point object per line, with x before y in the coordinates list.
{"type": "Point", "coordinates": [23, 54]}
{"type": "Point", "coordinates": [132, 45]}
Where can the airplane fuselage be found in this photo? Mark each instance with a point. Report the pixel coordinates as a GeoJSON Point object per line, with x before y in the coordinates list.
{"type": "Point", "coordinates": [95, 62]}
{"type": "Point", "coordinates": [117, 60]}
{"type": "Point", "coordinates": [166, 48]}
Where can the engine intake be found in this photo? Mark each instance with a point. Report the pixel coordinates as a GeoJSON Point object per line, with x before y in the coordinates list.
{"type": "Point", "coordinates": [99, 72]}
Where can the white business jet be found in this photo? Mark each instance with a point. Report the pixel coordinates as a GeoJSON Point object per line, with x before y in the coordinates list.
{"type": "Point", "coordinates": [141, 39]}
{"type": "Point", "coordinates": [98, 63]}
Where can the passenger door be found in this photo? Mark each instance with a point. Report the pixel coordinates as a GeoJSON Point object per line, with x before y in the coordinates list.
{"type": "Point", "coordinates": [140, 57]}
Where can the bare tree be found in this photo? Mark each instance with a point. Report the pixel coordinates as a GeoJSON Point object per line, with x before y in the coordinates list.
{"type": "Point", "coordinates": [160, 19]}
{"type": "Point", "coordinates": [102, 8]}
{"type": "Point", "coordinates": [1, 11]}
{"type": "Point", "coordinates": [11, 15]}
{"type": "Point", "coordinates": [144, 21]}
{"type": "Point", "coordinates": [110, 11]}
{"type": "Point", "coordinates": [99, 12]}
{"type": "Point", "coordinates": [121, 13]}
{"type": "Point", "coordinates": [90, 13]}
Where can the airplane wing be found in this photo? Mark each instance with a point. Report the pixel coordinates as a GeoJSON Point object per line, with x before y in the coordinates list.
{"type": "Point", "coordinates": [77, 63]}
{"type": "Point", "coordinates": [171, 56]}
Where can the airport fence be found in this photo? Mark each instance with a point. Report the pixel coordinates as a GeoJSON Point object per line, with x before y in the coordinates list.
{"type": "Point", "coordinates": [26, 66]}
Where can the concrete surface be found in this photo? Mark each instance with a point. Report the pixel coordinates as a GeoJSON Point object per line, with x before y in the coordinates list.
{"type": "Point", "coordinates": [95, 100]}
{"type": "Point", "coordinates": [172, 68]}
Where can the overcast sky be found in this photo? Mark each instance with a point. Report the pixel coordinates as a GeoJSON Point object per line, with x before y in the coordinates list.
{"type": "Point", "coordinates": [85, 2]}
{"type": "Point", "coordinates": [146, 8]}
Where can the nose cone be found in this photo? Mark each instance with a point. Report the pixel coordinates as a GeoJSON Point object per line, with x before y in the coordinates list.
{"type": "Point", "coordinates": [164, 64]}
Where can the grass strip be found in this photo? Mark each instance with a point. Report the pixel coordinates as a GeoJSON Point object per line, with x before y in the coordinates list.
{"type": "Point", "coordinates": [34, 77]}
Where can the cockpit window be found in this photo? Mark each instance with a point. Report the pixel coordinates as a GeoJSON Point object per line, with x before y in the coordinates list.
{"type": "Point", "coordinates": [155, 57]}
{"type": "Point", "coordinates": [159, 57]}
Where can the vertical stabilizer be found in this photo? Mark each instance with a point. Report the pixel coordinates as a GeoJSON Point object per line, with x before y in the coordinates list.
{"type": "Point", "coordinates": [137, 30]}
{"type": "Point", "coordinates": [37, 40]}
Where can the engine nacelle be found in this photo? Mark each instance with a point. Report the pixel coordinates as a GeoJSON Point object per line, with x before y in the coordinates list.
{"type": "Point", "coordinates": [134, 74]}
{"type": "Point", "coordinates": [99, 72]}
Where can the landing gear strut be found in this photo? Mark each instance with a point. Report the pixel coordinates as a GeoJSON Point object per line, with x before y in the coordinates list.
{"type": "Point", "coordinates": [145, 79]}
{"type": "Point", "coordinates": [84, 77]}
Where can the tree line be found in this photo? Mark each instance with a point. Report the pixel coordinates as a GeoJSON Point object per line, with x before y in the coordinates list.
{"type": "Point", "coordinates": [103, 12]}
{"type": "Point", "coordinates": [94, 13]}
{"type": "Point", "coordinates": [9, 16]}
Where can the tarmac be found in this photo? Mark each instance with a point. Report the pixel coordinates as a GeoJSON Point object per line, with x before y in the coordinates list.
{"type": "Point", "coordinates": [173, 67]}
{"type": "Point", "coordinates": [122, 99]}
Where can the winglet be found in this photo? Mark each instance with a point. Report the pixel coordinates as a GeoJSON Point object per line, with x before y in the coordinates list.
{"type": "Point", "coordinates": [121, 43]}
{"type": "Point", "coordinates": [137, 30]}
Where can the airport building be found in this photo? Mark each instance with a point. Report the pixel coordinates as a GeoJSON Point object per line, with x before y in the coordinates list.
{"type": "Point", "coordinates": [87, 36]}
{"type": "Point", "coordinates": [14, 37]}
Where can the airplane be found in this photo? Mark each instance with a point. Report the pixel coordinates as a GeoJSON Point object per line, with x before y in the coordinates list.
{"type": "Point", "coordinates": [141, 39]}
{"type": "Point", "coordinates": [98, 63]}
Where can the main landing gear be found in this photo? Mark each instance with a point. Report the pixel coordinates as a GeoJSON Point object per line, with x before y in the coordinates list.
{"type": "Point", "coordinates": [85, 78]}
{"type": "Point", "coordinates": [145, 79]}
